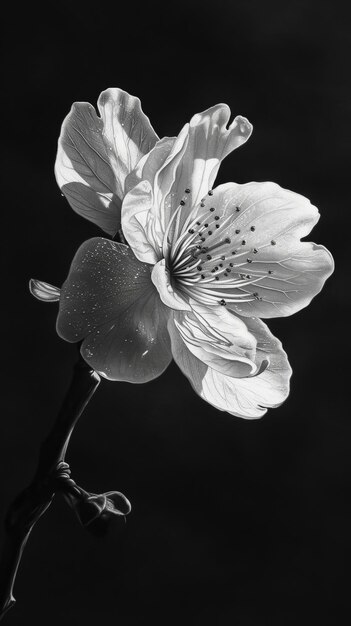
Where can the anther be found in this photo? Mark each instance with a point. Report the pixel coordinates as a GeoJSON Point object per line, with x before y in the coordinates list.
{"type": "Point", "coordinates": [217, 277]}
{"type": "Point", "coordinates": [273, 243]}
{"type": "Point", "coordinates": [255, 250]}
{"type": "Point", "coordinates": [231, 264]}
{"type": "Point", "coordinates": [237, 209]}
{"type": "Point", "coordinates": [221, 265]}
{"type": "Point", "coordinates": [187, 191]}
{"type": "Point", "coordinates": [217, 225]}
{"type": "Point", "coordinates": [222, 302]}
{"type": "Point", "coordinates": [208, 257]}
{"type": "Point", "coordinates": [202, 275]}
{"type": "Point", "coordinates": [199, 268]}
{"type": "Point", "coordinates": [210, 193]}
{"type": "Point", "coordinates": [198, 223]}
{"type": "Point", "coordinates": [225, 274]}
{"type": "Point", "coordinates": [270, 271]}
{"type": "Point", "coordinates": [191, 231]}
{"type": "Point", "coordinates": [223, 258]}
{"type": "Point", "coordinates": [253, 228]}
{"type": "Point", "coordinates": [227, 240]}
{"type": "Point", "coordinates": [182, 203]}
{"type": "Point", "coordinates": [216, 217]}
{"type": "Point", "coordinates": [243, 243]}
{"type": "Point", "coordinates": [209, 232]}
{"type": "Point", "coordinates": [237, 231]}
{"type": "Point", "coordinates": [212, 209]}
{"type": "Point", "coordinates": [249, 260]}
{"type": "Point", "coordinates": [206, 225]}
{"type": "Point", "coordinates": [202, 204]}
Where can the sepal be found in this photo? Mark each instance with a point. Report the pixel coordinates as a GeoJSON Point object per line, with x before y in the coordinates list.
{"type": "Point", "coordinates": [96, 511]}
{"type": "Point", "coordinates": [44, 291]}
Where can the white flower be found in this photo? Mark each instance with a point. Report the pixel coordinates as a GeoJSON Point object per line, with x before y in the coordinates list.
{"type": "Point", "coordinates": [202, 265]}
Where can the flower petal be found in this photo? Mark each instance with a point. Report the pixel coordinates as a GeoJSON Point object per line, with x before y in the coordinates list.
{"type": "Point", "coordinates": [140, 227]}
{"type": "Point", "coordinates": [144, 216]}
{"type": "Point", "coordinates": [44, 291]}
{"type": "Point", "coordinates": [218, 339]}
{"type": "Point", "coordinates": [248, 397]}
{"type": "Point", "coordinates": [150, 163]}
{"type": "Point", "coordinates": [263, 224]}
{"type": "Point", "coordinates": [109, 302]}
{"type": "Point", "coordinates": [128, 134]}
{"type": "Point", "coordinates": [190, 161]}
{"type": "Point", "coordinates": [96, 154]}
{"type": "Point", "coordinates": [210, 141]}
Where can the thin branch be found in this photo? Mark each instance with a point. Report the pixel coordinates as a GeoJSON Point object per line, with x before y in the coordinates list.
{"type": "Point", "coordinates": [32, 503]}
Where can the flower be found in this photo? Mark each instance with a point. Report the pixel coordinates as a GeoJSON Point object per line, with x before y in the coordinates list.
{"type": "Point", "coordinates": [203, 264]}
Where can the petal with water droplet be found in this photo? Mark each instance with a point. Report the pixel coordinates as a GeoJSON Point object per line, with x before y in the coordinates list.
{"type": "Point", "coordinates": [110, 302]}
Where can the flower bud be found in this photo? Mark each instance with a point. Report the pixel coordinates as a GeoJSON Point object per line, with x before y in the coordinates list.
{"type": "Point", "coordinates": [95, 511]}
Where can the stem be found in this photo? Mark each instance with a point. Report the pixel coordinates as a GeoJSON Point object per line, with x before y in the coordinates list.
{"type": "Point", "coordinates": [32, 503]}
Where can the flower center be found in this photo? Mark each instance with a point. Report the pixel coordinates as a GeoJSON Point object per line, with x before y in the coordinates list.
{"type": "Point", "coordinates": [204, 262]}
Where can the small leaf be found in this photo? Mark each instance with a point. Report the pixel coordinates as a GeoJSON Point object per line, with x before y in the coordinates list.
{"type": "Point", "coordinates": [44, 291]}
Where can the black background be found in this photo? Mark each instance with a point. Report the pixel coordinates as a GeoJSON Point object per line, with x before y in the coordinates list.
{"type": "Point", "coordinates": [233, 522]}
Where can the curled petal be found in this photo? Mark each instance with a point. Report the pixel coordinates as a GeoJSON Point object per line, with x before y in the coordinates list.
{"type": "Point", "coordinates": [248, 397]}
{"type": "Point", "coordinates": [218, 339]}
{"type": "Point", "coordinates": [95, 155]}
{"type": "Point", "coordinates": [259, 230]}
{"type": "Point", "coordinates": [44, 291]}
{"type": "Point", "coordinates": [110, 302]}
